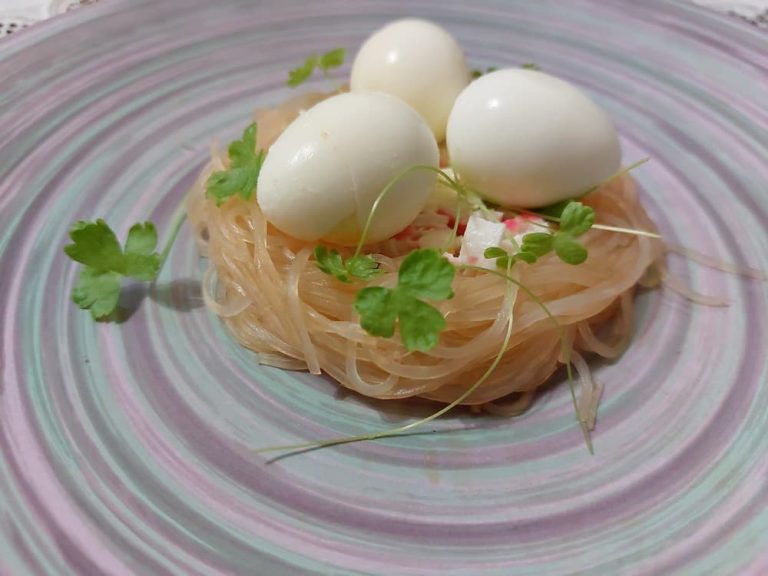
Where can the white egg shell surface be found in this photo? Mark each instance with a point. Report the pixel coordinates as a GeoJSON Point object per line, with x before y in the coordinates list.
{"type": "Point", "coordinates": [323, 174]}
{"type": "Point", "coordinates": [523, 138]}
{"type": "Point", "coordinates": [415, 60]}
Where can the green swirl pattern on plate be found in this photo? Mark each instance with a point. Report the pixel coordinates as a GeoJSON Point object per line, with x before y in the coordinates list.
{"type": "Point", "coordinates": [128, 448]}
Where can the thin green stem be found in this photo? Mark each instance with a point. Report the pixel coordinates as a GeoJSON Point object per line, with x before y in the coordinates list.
{"type": "Point", "coordinates": [178, 219]}
{"type": "Point", "coordinates": [476, 201]}
{"type": "Point", "coordinates": [402, 429]}
{"type": "Point", "coordinates": [579, 419]}
{"type": "Point", "coordinates": [618, 229]}
{"type": "Point", "coordinates": [454, 230]}
{"type": "Point", "coordinates": [532, 296]}
{"type": "Point", "coordinates": [618, 174]}
{"type": "Point", "coordinates": [631, 231]}
{"type": "Point", "coordinates": [626, 170]}
{"type": "Point", "coordinates": [560, 330]}
{"type": "Point", "coordinates": [565, 349]}
{"type": "Point", "coordinates": [451, 182]}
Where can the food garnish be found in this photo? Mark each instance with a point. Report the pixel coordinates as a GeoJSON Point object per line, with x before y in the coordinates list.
{"type": "Point", "coordinates": [240, 178]}
{"type": "Point", "coordinates": [425, 274]}
{"type": "Point", "coordinates": [106, 263]}
{"type": "Point", "coordinates": [324, 62]}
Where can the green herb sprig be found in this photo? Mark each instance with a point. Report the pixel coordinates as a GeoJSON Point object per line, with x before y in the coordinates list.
{"type": "Point", "coordinates": [325, 62]}
{"type": "Point", "coordinates": [513, 283]}
{"type": "Point", "coordinates": [240, 178]}
{"type": "Point", "coordinates": [424, 275]}
{"type": "Point", "coordinates": [575, 220]}
{"type": "Point", "coordinates": [381, 308]}
{"type": "Point", "coordinates": [360, 266]}
{"type": "Point", "coordinates": [106, 263]}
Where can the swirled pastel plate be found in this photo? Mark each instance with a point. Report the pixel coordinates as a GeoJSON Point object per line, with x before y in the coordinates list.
{"type": "Point", "coordinates": [129, 448]}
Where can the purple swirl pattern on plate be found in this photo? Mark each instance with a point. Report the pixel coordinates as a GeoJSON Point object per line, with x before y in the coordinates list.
{"type": "Point", "coordinates": [128, 448]}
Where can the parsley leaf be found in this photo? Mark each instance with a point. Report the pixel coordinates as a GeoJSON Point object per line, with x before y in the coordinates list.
{"type": "Point", "coordinates": [97, 291]}
{"type": "Point", "coordinates": [142, 239]}
{"type": "Point", "coordinates": [141, 260]}
{"type": "Point", "coordinates": [325, 62]}
{"type": "Point", "coordinates": [377, 310]}
{"type": "Point", "coordinates": [420, 324]}
{"type": "Point", "coordinates": [243, 152]}
{"type": "Point", "coordinates": [243, 173]}
{"type": "Point", "coordinates": [95, 245]}
{"type": "Point", "coordinates": [331, 59]}
{"type": "Point", "coordinates": [424, 273]}
{"type": "Point", "coordinates": [530, 66]}
{"type": "Point", "coordinates": [300, 74]}
{"type": "Point", "coordinates": [363, 267]}
{"type": "Point", "coordinates": [330, 261]}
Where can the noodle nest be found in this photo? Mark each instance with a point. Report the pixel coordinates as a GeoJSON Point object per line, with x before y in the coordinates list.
{"type": "Point", "coordinates": [275, 301]}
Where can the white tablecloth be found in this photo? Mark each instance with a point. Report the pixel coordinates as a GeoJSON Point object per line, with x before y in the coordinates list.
{"type": "Point", "coordinates": [16, 14]}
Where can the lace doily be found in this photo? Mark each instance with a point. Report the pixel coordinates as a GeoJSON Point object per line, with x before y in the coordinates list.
{"type": "Point", "coordinates": [16, 14]}
{"type": "Point", "coordinates": [753, 11]}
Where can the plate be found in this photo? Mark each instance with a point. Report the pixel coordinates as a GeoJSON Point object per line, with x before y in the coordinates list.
{"type": "Point", "coordinates": [130, 448]}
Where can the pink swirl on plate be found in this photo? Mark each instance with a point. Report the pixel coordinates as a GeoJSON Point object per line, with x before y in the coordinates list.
{"type": "Point", "coordinates": [128, 448]}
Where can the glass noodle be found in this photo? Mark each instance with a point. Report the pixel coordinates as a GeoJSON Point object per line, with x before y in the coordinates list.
{"type": "Point", "coordinates": [276, 302]}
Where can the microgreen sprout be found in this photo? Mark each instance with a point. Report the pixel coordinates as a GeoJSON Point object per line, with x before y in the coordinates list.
{"type": "Point", "coordinates": [424, 274]}
{"type": "Point", "coordinates": [576, 219]}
